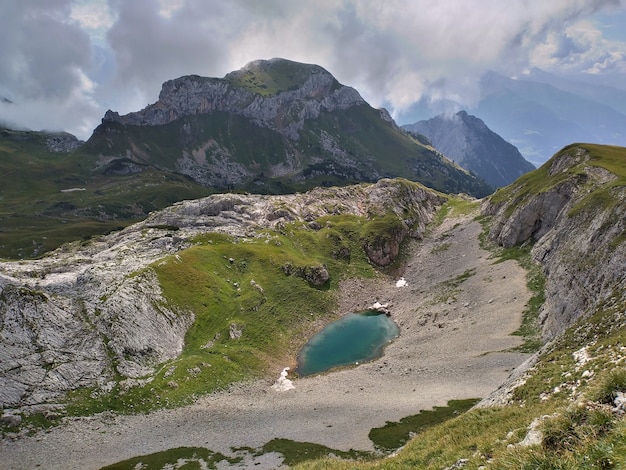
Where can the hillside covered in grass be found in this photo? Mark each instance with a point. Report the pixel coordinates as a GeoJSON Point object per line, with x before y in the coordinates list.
{"type": "Point", "coordinates": [51, 195]}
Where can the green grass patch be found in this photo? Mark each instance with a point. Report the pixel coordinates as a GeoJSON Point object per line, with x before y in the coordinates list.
{"type": "Point", "coordinates": [297, 452]}
{"type": "Point", "coordinates": [180, 457]}
{"type": "Point", "coordinates": [275, 76]}
{"type": "Point", "coordinates": [607, 388]}
{"type": "Point", "coordinates": [394, 435]}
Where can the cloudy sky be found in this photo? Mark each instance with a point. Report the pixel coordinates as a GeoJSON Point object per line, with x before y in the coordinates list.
{"type": "Point", "coordinates": [65, 62]}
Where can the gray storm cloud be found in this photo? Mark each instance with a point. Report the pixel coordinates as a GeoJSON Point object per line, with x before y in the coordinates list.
{"type": "Point", "coordinates": [394, 52]}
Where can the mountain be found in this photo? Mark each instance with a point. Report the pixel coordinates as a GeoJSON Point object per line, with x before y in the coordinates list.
{"type": "Point", "coordinates": [470, 143]}
{"type": "Point", "coordinates": [272, 127]}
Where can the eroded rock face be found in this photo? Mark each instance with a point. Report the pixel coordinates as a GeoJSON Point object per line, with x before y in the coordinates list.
{"type": "Point", "coordinates": [534, 218]}
{"type": "Point", "coordinates": [469, 142]}
{"type": "Point", "coordinates": [285, 111]}
{"type": "Point", "coordinates": [578, 239]}
{"type": "Point", "coordinates": [83, 315]}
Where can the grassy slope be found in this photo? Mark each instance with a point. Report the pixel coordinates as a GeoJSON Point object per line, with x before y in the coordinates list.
{"type": "Point", "coordinates": [610, 158]}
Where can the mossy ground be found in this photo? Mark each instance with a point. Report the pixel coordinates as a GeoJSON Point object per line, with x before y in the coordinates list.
{"type": "Point", "coordinates": [181, 457]}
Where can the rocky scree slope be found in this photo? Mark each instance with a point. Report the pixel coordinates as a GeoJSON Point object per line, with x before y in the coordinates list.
{"type": "Point", "coordinates": [469, 142]}
{"type": "Point", "coordinates": [573, 209]}
{"type": "Point", "coordinates": [93, 314]}
{"type": "Point", "coordinates": [272, 127]}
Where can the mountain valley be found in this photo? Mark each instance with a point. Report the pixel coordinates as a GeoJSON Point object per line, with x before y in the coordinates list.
{"type": "Point", "coordinates": [161, 277]}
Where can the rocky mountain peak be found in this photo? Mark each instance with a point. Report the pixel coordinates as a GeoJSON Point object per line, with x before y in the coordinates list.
{"type": "Point", "coordinates": [467, 140]}
{"type": "Point", "coordinates": [278, 75]}
{"type": "Point", "coordinates": [278, 94]}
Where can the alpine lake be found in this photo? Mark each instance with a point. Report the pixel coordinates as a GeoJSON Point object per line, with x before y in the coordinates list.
{"type": "Point", "coordinates": [354, 338]}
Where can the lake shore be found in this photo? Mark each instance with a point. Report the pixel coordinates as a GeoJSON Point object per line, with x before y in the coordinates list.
{"type": "Point", "coordinates": [455, 313]}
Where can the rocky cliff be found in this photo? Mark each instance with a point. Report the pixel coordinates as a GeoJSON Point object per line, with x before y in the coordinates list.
{"type": "Point", "coordinates": [469, 142]}
{"type": "Point", "coordinates": [573, 209]}
{"type": "Point", "coordinates": [93, 314]}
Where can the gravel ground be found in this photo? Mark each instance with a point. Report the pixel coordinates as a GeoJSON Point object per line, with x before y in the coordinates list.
{"type": "Point", "coordinates": [453, 342]}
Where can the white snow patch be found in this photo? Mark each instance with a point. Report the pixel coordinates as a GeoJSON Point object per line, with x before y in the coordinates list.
{"type": "Point", "coordinates": [283, 384]}
{"type": "Point", "coordinates": [401, 282]}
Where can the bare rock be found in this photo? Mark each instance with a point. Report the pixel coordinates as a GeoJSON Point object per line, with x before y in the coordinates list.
{"type": "Point", "coordinates": [576, 242]}
{"type": "Point", "coordinates": [11, 420]}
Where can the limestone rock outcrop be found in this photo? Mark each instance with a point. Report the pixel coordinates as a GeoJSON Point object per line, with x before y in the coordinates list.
{"type": "Point", "coordinates": [577, 221]}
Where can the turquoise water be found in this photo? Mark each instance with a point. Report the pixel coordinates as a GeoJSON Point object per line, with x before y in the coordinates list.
{"type": "Point", "coordinates": [356, 337]}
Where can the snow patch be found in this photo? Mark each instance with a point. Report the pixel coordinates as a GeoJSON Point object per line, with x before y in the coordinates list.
{"type": "Point", "coordinates": [401, 282]}
{"type": "Point", "coordinates": [283, 384]}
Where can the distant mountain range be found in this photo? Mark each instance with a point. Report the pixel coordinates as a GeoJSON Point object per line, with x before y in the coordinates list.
{"type": "Point", "coordinates": [469, 142]}
{"type": "Point", "coordinates": [541, 113]}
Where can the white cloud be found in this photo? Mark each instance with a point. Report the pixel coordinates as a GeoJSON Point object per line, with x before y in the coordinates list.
{"type": "Point", "coordinates": [580, 48]}
{"type": "Point", "coordinates": [169, 7]}
{"type": "Point", "coordinates": [92, 15]}
{"type": "Point", "coordinates": [394, 52]}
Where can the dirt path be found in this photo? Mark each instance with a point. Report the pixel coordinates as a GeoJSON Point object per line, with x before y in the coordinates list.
{"type": "Point", "coordinates": [455, 314]}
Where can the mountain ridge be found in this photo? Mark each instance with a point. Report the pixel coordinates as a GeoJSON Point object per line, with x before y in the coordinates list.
{"type": "Point", "coordinates": [273, 127]}
{"type": "Point", "coordinates": [277, 106]}
{"type": "Point", "coordinates": [468, 141]}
